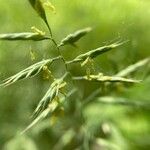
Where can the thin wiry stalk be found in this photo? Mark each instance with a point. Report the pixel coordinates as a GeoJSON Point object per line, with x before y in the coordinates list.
{"type": "Point", "coordinates": [133, 68]}
{"type": "Point", "coordinates": [102, 78]}
{"type": "Point", "coordinates": [60, 54]}
{"type": "Point", "coordinates": [95, 53]}
{"type": "Point", "coordinates": [24, 36]}
{"type": "Point", "coordinates": [49, 28]}
{"type": "Point", "coordinates": [91, 96]}
{"type": "Point", "coordinates": [28, 72]}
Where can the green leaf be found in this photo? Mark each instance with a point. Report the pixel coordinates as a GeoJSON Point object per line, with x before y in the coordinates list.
{"type": "Point", "coordinates": [74, 37]}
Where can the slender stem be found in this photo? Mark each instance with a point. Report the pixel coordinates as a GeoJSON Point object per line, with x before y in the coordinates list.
{"type": "Point", "coordinates": [91, 96]}
{"type": "Point", "coordinates": [57, 46]}
{"type": "Point", "coordinates": [49, 28]}
{"type": "Point", "coordinates": [60, 53]}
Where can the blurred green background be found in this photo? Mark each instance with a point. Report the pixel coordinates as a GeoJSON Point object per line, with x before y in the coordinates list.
{"type": "Point", "coordinates": [110, 20]}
